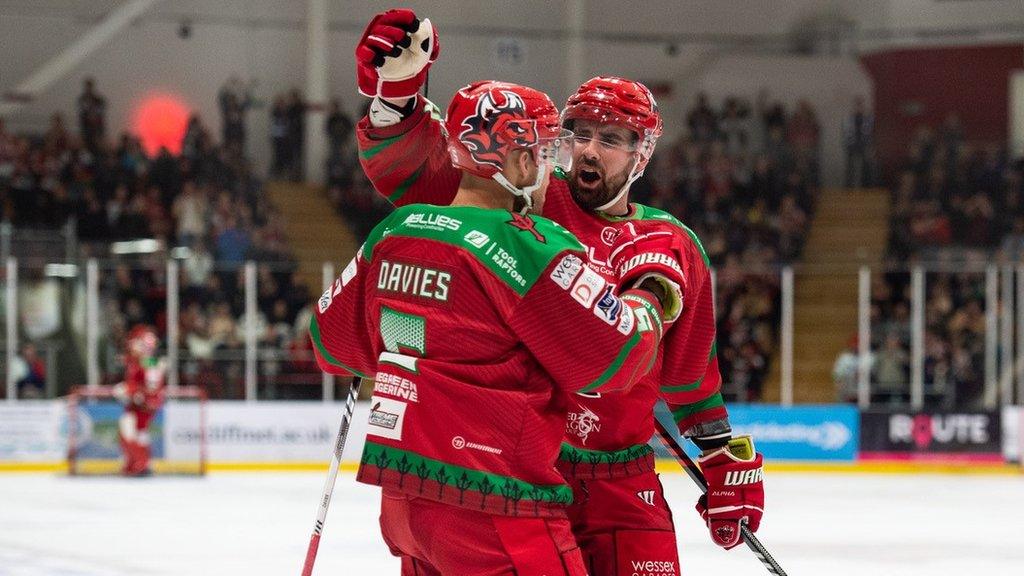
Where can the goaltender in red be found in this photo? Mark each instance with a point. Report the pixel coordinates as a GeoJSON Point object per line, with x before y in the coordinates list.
{"type": "Point", "coordinates": [479, 321]}
{"type": "Point", "coordinates": [142, 393]}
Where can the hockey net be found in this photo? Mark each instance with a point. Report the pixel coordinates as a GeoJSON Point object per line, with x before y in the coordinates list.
{"type": "Point", "coordinates": [177, 432]}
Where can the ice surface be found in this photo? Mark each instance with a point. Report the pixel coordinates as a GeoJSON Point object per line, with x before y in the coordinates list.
{"type": "Point", "coordinates": [259, 525]}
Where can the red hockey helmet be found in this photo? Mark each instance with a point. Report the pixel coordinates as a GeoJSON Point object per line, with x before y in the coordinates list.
{"type": "Point", "coordinates": [487, 120]}
{"type": "Point", "coordinates": [626, 103]}
{"type": "Point", "coordinates": [142, 341]}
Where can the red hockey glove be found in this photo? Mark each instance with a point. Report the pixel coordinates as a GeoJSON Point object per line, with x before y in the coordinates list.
{"type": "Point", "coordinates": [649, 252]}
{"type": "Point", "coordinates": [735, 491]}
{"type": "Point", "coordinates": [394, 54]}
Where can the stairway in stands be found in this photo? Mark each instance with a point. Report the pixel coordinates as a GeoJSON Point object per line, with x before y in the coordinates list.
{"type": "Point", "coordinates": [316, 233]}
{"type": "Point", "coordinates": [850, 228]}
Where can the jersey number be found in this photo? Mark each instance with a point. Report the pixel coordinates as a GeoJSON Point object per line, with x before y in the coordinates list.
{"type": "Point", "coordinates": [405, 338]}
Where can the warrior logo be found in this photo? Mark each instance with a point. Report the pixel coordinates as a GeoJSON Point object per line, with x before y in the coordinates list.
{"type": "Point", "coordinates": [582, 424]}
{"type": "Point", "coordinates": [647, 496]}
{"type": "Point", "coordinates": [526, 224]}
{"type": "Point", "coordinates": [496, 128]}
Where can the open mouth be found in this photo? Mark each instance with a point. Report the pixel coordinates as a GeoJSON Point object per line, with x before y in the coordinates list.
{"type": "Point", "coordinates": [589, 177]}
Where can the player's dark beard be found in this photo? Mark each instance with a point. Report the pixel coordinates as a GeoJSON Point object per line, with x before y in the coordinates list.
{"type": "Point", "coordinates": [591, 198]}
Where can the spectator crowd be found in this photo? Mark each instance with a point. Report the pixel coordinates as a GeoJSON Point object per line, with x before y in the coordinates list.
{"type": "Point", "coordinates": [206, 202]}
{"type": "Point", "coordinates": [956, 207]}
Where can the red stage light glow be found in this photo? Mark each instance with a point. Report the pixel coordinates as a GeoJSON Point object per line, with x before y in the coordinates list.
{"type": "Point", "coordinates": [160, 121]}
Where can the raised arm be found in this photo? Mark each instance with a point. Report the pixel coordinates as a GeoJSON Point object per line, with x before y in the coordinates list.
{"type": "Point", "coordinates": [401, 145]}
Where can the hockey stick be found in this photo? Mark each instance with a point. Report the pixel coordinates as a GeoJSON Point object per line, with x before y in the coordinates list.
{"type": "Point", "coordinates": [698, 478]}
{"type": "Point", "coordinates": [332, 475]}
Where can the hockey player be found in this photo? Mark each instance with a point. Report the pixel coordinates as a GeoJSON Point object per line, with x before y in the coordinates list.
{"type": "Point", "coordinates": [478, 321]}
{"type": "Point", "coordinates": [619, 514]}
{"type": "Point", "coordinates": [142, 393]}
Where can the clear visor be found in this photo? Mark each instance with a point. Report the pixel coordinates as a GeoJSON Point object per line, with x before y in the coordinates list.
{"type": "Point", "coordinates": [557, 151]}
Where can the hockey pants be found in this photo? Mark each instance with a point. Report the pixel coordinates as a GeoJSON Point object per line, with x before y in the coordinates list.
{"type": "Point", "coordinates": [624, 526]}
{"type": "Point", "coordinates": [435, 539]}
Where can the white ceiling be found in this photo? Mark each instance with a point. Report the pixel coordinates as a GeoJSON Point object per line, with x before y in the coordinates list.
{"type": "Point", "coordinates": [692, 20]}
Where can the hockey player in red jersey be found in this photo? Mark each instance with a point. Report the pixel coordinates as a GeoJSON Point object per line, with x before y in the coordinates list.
{"type": "Point", "coordinates": [619, 515]}
{"type": "Point", "coordinates": [479, 321]}
{"type": "Point", "coordinates": [142, 394]}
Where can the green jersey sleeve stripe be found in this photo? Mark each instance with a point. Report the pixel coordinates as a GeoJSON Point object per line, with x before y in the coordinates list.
{"type": "Point", "coordinates": [684, 387]}
{"type": "Point", "coordinates": [404, 186]}
{"type": "Point", "coordinates": [683, 412]}
{"type": "Point", "coordinates": [371, 152]}
{"type": "Point", "coordinates": [615, 365]}
{"type": "Point", "coordinates": [696, 240]}
{"type": "Point", "coordinates": [314, 332]}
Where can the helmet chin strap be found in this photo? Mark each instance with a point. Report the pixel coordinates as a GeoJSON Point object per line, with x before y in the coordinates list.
{"type": "Point", "coordinates": [525, 193]}
{"type": "Point", "coordinates": [633, 175]}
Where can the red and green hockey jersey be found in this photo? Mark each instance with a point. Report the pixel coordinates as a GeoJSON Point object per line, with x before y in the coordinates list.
{"type": "Point", "coordinates": [606, 435]}
{"type": "Point", "coordinates": [478, 325]}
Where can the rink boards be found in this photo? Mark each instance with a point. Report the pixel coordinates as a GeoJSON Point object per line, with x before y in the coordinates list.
{"type": "Point", "coordinates": [281, 436]}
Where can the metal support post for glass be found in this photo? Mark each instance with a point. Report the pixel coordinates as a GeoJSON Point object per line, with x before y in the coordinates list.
{"type": "Point", "coordinates": [1020, 336]}
{"type": "Point", "coordinates": [328, 380]}
{"type": "Point", "coordinates": [786, 393]}
{"type": "Point", "coordinates": [11, 295]}
{"type": "Point", "coordinates": [917, 303]}
{"type": "Point", "coordinates": [991, 397]}
{"type": "Point", "coordinates": [1006, 338]}
{"type": "Point", "coordinates": [250, 331]}
{"type": "Point", "coordinates": [92, 323]}
{"type": "Point", "coordinates": [6, 231]}
{"type": "Point", "coordinates": [70, 239]}
{"type": "Point", "coordinates": [864, 338]}
{"type": "Point", "coordinates": [173, 315]}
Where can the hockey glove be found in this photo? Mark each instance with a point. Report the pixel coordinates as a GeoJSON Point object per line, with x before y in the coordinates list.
{"type": "Point", "coordinates": [646, 255]}
{"type": "Point", "coordinates": [394, 54]}
{"type": "Point", "coordinates": [735, 491]}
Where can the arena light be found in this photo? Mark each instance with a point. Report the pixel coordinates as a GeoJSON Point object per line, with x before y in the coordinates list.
{"type": "Point", "coordinates": [60, 270]}
{"type": "Point", "coordinates": [160, 121]}
{"type": "Point", "coordinates": [140, 246]}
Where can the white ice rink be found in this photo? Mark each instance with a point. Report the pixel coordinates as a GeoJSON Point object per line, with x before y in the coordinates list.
{"type": "Point", "coordinates": [259, 525]}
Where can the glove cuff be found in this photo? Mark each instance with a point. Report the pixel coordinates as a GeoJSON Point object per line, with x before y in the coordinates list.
{"type": "Point", "coordinates": [672, 303]}
{"type": "Point", "coordinates": [383, 113]}
{"type": "Point", "coordinates": [738, 449]}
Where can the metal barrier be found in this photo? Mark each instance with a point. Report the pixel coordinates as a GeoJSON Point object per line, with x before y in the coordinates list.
{"type": "Point", "coordinates": [85, 297]}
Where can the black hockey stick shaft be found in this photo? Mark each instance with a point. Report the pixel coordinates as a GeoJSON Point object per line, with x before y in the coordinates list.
{"type": "Point", "coordinates": [697, 476]}
{"type": "Point", "coordinates": [332, 475]}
